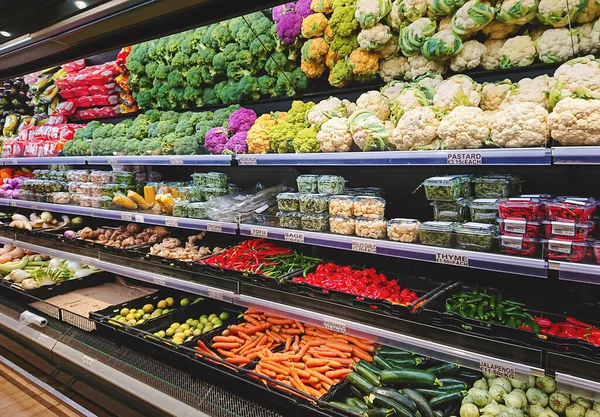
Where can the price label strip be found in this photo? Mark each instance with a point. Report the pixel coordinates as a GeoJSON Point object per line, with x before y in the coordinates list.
{"type": "Point", "coordinates": [260, 233]}
{"type": "Point", "coordinates": [450, 259]}
{"type": "Point", "coordinates": [88, 361]}
{"type": "Point", "coordinates": [216, 294]}
{"type": "Point", "coordinates": [171, 223]}
{"type": "Point", "coordinates": [217, 228]}
{"type": "Point", "coordinates": [158, 280]}
{"type": "Point", "coordinates": [464, 158]}
{"type": "Point", "coordinates": [334, 326]}
{"type": "Point", "coordinates": [248, 160]}
{"type": "Point", "coordinates": [127, 217]}
{"type": "Point", "coordinates": [295, 237]}
{"type": "Point", "coordinates": [497, 369]}
{"type": "Point", "coordinates": [366, 247]}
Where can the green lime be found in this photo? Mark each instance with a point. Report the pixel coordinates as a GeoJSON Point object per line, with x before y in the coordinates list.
{"type": "Point", "coordinates": [224, 316]}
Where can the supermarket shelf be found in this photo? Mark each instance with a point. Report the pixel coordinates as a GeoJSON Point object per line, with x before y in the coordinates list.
{"type": "Point", "coordinates": [569, 271]}
{"type": "Point", "coordinates": [532, 156]}
{"type": "Point", "coordinates": [584, 387]}
{"type": "Point", "coordinates": [576, 155]}
{"type": "Point", "coordinates": [161, 160]}
{"type": "Point", "coordinates": [140, 217]}
{"type": "Point", "coordinates": [58, 160]}
{"type": "Point", "coordinates": [478, 260]}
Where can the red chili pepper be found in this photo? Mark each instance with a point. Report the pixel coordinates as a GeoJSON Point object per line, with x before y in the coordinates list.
{"type": "Point", "coordinates": [543, 322]}
{"type": "Point", "coordinates": [554, 330]}
{"type": "Point", "coordinates": [525, 327]}
{"type": "Point", "coordinates": [576, 322]}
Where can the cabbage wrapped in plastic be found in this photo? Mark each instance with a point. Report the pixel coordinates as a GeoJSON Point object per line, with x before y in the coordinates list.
{"type": "Point", "coordinates": [370, 12]}
{"type": "Point", "coordinates": [368, 131]}
{"type": "Point", "coordinates": [441, 46]}
{"type": "Point", "coordinates": [396, 18]}
{"type": "Point", "coordinates": [471, 17]}
{"type": "Point", "coordinates": [408, 99]}
{"type": "Point", "coordinates": [413, 35]}
{"type": "Point", "coordinates": [559, 13]}
{"type": "Point", "coordinates": [516, 12]}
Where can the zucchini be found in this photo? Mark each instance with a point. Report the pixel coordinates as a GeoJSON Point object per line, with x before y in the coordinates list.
{"type": "Point", "coordinates": [447, 398]}
{"type": "Point", "coordinates": [362, 370]}
{"type": "Point", "coordinates": [379, 412]}
{"type": "Point", "coordinates": [446, 369]}
{"type": "Point", "coordinates": [386, 402]}
{"type": "Point", "coordinates": [430, 393]}
{"type": "Point", "coordinates": [453, 381]}
{"type": "Point", "coordinates": [353, 411]}
{"type": "Point", "coordinates": [355, 402]}
{"type": "Point", "coordinates": [415, 377]}
{"type": "Point", "coordinates": [389, 353]}
{"type": "Point", "coordinates": [420, 401]}
{"type": "Point", "coordinates": [452, 386]}
{"type": "Point", "coordinates": [359, 382]}
{"type": "Point", "coordinates": [371, 367]}
{"type": "Point", "coordinates": [437, 413]}
{"type": "Point", "coordinates": [401, 399]}
{"type": "Point", "coordinates": [469, 375]}
{"type": "Point", "coordinates": [356, 392]}
{"type": "Point", "coordinates": [381, 363]}
{"type": "Point", "coordinates": [404, 363]}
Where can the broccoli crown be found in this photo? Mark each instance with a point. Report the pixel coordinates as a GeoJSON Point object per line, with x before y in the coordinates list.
{"type": "Point", "coordinates": [151, 68]}
{"type": "Point", "coordinates": [230, 93]}
{"type": "Point", "coordinates": [186, 145]}
{"type": "Point", "coordinates": [167, 143]}
{"type": "Point", "coordinates": [152, 115]}
{"type": "Point", "coordinates": [68, 148]}
{"type": "Point", "coordinates": [193, 96]}
{"type": "Point", "coordinates": [180, 60]}
{"type": "Point", "coordinates": [175, 96]}
{"type": "Point", "coordinates": [153, 129]}
{"type": "Point", "coordinates": [175, 79]}
{"type": "Point", "coordinates": [249, 87]}
{"type": "Point", "coordinates": [209, 97]}
{"type": "Point", "coordinates": [194, 76]}
{"type": "Point", "coordinates": [184, 128]}
{"type": "Point", "coordinates": [222, 35]}
{"type": "Point", "coordinates": [103, 131]}
{"type": "Point", "coordinates": [132, 147]}
{"type": "Point", "coordinates": [284, 86]}
{"type": "Point", "coordinates": [205, 56]}
{"type": "Point", "coordinates": [150, 147]}
{"type": "Point", "coordinates": [208, 75]}
{"type": "Point", "coordinates": [139, 128]}
{"type": "Point", "coordinates": [262, 46]}
{"type": "Point", "coordinates": [166, 127]}
{"type": "Point", "coordinates": [266, 86]}
{"type": "Point", "coordinates": [163, 71]}
{"type": "Point", "coordinates": [201, 128]}
{"type": "Point", "coordinates": [221, 116]}
{"type": "Point", "coordinates": [169, 115]}
{"type": "Point", "coordinates": [275, 64]}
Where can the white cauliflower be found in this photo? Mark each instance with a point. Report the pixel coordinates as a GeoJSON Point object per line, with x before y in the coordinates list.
{"type": "Point", "coordinates": [458, 90]}
{"type": "Point", "coordinates": [349, 106]}
{"type": "Point", "coordinates": [518, 51]}
{"type": "Point", "coordinates": [393, 89]}
{"type": "Point", "coordinates": [520, 125]}
{"type": "Point", "coordinates": [369, 12]}
{"type": "Point", "coordinates": [414, 9]}
{"type": "Point", "coordinates": [445, 24]}
{"type": "Point", "coordinates": [579, 75]}
{"type": "Point", "coordinates": [576, 122]}
{"type": "Point", "coordinates": [389, 49]}
{"type": "Point", "coordinates": [516, 12]}
{"type": "Point", "coordinates": [369, 133]}
{"type": "Point", "coordinates": [419, 65]}
{"type": "Point", "coordinates": [559, 13]}
{"type": "Point", "coordinates": [374, 38]}
{"type": "Point", "coordinates": [529, 90]}
{"type": "Point", "coordinates": [589, 38]}
{"type": "Point", "coordinates": [410, 98]}
{"type": "Point", "coordinates": [376, 102]}
{"type": "Point", "coordinates": [589, 12]}
{"type": "Point", "coordinates": [472, 17]}
{"type": "Point", "coordinates": [429, 83]}
{"type": "Point", "coordinates": [335, 135]}
{"type": "Point", "coordinates": [557, 45]}
{"type": "Point", "coordinates": [326, 109]}
{"type": "Point", "coordinates": [392, 68]}
{"type": "Point", "coordinates": [596, 33]}
{"type": "Point", "coordinates": [464, 128]}
{"type": "Point", "coordinates": [469, 57]}
{"type": "Point", "coordinates": [416, 129]}
{"type": "Point", "coordinates": [396, 17]}
{"type": "Point", "coordinates": [491, 60]}
{"type": "Point", "coordinates": [493, 94]}
{"type": "Point", "coordinates": [498, 30]}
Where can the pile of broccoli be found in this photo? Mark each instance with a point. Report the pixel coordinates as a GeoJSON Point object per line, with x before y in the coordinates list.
{"type": "Point", "coordinates": [223, 63]}
{"type": "Point", "coordinates": [151, 133]}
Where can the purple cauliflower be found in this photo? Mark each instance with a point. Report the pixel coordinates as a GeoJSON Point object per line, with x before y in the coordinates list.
{"type": "Point", "coordinates": [237, 143]}
{"type": "Point", "coordinates": [303, 8]}
{"type": "Point", "coordinates": [279, 11]}
{"type": "Point", "coordinates": [289, 27]}
{"type": "Point", "coordinates": [215, 140]}
{"type": "Point", "coordinates": [241, 120]}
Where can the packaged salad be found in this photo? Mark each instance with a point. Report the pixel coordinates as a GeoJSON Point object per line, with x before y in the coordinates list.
{"type": "Point", "coordinates": [288, 202]}
{"type": "Point", "coordinates": [216, 180]}
{"type": "Point", "coordinates": [180, 208]}
{"type": "Point", "coordinates": [451, 211]}
{"type": "Point", "coordinates": [307, 183]}
{"type": "Point", "coordinates": [330, 184]}
{"type": "Point", "coordinates": [437, 234]}
{"type": "Point", "coordinates": [484, 210]}
{"type": "Point", "coordinates": [475, 236]}
{"type": "Point", "coordinates": [496, 186]}
{"type": "Point", "coordinates": [449, 188]}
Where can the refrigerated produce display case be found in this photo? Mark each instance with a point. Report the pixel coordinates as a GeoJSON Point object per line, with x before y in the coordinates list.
{"type": "Point", "coordinates": [317, 208]}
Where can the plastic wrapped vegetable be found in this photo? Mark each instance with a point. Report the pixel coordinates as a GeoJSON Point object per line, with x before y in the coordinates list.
{"type": "Point", "coordinates": [441, 46]}
{"type": "Point", "coordinates": [559, 13]}
{"type": "Point", "coordinates": [370, 12]}
{"type": "Point", "coordinates": [413, 35]}
{"type": "Point", "coordinates": [516, 12]}
{"type": "Point", "coordinates": [413, 9]}
{"type": "Point", "coordinates": [472, 16]}
{"type": "Point", "coordinates": [368, 131]}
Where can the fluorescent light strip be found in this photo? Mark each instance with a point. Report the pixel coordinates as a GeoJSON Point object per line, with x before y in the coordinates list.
{"type": "Point", "coordinates": [15, 43]}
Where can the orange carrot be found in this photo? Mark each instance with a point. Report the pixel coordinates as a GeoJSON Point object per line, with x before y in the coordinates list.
{"type": "Point", "coordinates": [281, 322]}
{"type": "Point", "coordinates": [291, 331]}
{"type": "Point", "coordinates": [228, 339]}
{"type": "Point", "coordinates": [296, 379]}
{"type": "Point", "coordinates": [238, 360]}
{"type": "Point", "coordinates": [273, 336]}
{"type": "Point", "coordinates": [320, 369]}
{"type": "Point", "coordinates": [311, 363]}
{"type": "Point", "coordinates": [357, 342]}
{"type": "Point", "coordinates": [288, 342]}
{"type": "Point", "coordinates": [338, 346]}
{"type": "Point", "coordinates": [339, 373]}
{"type": "Point", "coordinates": [315, 393]}
{"type": "Point", "coordinates": [225, 353]}
{"type": "Point", "coordinates": [361, 354]}
{"type": "Point", "coordinates": [227, 346]}
{"type": "Point", "coordinates": [299, 326]}
{"type": "Point", "coordinates": [320, 376]}
{"type": "Point", "coordinates": [310, 381]}
{"type": "Point", "coordinates": [258, 328]}
{"type": "Point", "coordinates": [273, 367]}
{"type": "Point", "coordinates": [252, 320]}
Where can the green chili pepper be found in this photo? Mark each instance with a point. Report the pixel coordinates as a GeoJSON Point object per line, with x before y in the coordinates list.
{"type": "Point", "coordinates": [500, 311]}
{"type": "Point", "coordinates": [512, 322]}
{"type": "Point", "coordinates": [493, 301]}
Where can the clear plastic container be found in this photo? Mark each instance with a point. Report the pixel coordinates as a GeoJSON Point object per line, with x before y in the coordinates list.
{"type": "Point", "coordinates": [211, 193]}
{"type": "Point", "coordinates": [520, 208]}
{"type": "Point", "coordinates": [288, 202]}
{"type": "Point", "coordinates": [313, 203]}
{"type": "Point", "coordinates": [369, 207]}
{"type": "Point", "coordinates": [373, 228]}
{"type": "Point", "coordinates": [475, 236]}
{"type": "Point", "coordinates": [191, 193]}
{"type": "Point", "coordinates": [87, 188]}
{"type": "Point", "coordinates": [41, 174]}
{"type": "Point", "coordinates": [576, 232]}
{"type": "Point", "coordinates": [448, 188]}
{"type": "Point", "coordinates": [570, 210]}
{"type": "Point", "coordinates": [81, 175]}
{"type": "Point", "coordinates": [308, 183]}
{"type": "Point", "coordinates": [403, 230]}
{"type": "Point", "coordinates": [370, 191]}
{"type": "Point", "coordinates": [61, 198]}
{"type": "Point", "coordinates": [26, 195]}
{"type": "Point", "coordinates": [232, 188]}
{"type": "Point", "coordinates": [197, 210]}
{"type": "Point", "coordinates": [74, 186]}
{"type": "Point", "coordinates": [290, 219]}
{"type": "Point", "coordinates": [341, 205]}
{"type": "Point", "coordinates": [595, 246]}
{"type": "Point", "coordinates": [102, 177]}
{"type": "Point", "coordinates": [484, 210]}
{"type": "Point", "coordinates": [562, 250]}
{"type": "Point", "coordinates": [76, 197]}
{"type": "Point", "coordinates": [199, 179]}
{"type": "Point", "coordinates": [451, 211]}
{"type": "Point", "coordinates": [216, 180]}
{"type": "Point", "coordinates": [520, 246]}
{"type": "Point", "coordinates": [180, 208]}
{"type": "Point", "coordinates": [342, 225]}
{"type": "Point", "coordinates": [496, 186]}
{"type": "Point", "coordinates": [315, 222]}
{"type": "Point", "coordinates": [125, 178]}
{"type": "Point", "coordinates": [437, 234]}
{"type": "Point", "coordinates": [519, 227]}
{"type": "Point", "coordinates": [331, 184]}
{"type": "Point", "coordinates": [85, 200]}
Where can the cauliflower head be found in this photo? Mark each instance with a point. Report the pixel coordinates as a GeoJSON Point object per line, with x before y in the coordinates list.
{"type": "Point", "coordinates": [326, 109]}
{"type": "Point", "coordinates": [396, 18]}
{"type": "Point", "coordinates": [393, 89]}
{"type": "Point", "coordinates": [520, 125]}
{"type": "Point", "coordinates": [575, 122]}
{"type": "Point", "coordinates": [375, 37]}
{"type": "Point", "coordinates": [376, 102]}
{"type": "Point", "coordinates": [312, 69]}
{"type": "Point", "coordinates": [472, 17]}
{"type": "Point", "coordinates": [389, 49]}
{"type": "Point", "coordinates": [518, 51]}
{"type": "Point", "coordinates": [498, 30]}
{"type": "Point", "coordinates": [516, 12]}
{"type": "Point", "coordinates": [589, 38]}
{"type": "Point", "coordinates": [491, 59]}
{"type": "Point", "coordinates": [258, 135]}
{"type": "Point", "coordinates": [589, 12]}
{"type": "Point", "coordinates": [314, 50]}
{"type": "Point", "coordinates": [419, 65]}
{"type": "Point", "coordinates": [314, 25]}
{"type": "Point", "coordinates": [441, 8]}
{"type": "Point", "coordinates": [558, 13]}
{"type": "Point", "coordinates": [413, 9]}
{"type": "Point", "coordinates": [408, 99]}
{"type": "Point", "coordinates": [493, 94]}
{"type": "Point", "coordinates": [458, 90]}
{"type": "Point", "coordinates": [370, 12]}
{"type": "Point", "coordinates": [577, 76]}
{"type": "Point", "coordinates": [530, 90]}
{"type": "Point", "coordinates": [416, 130]}
{"type": "Point", "coordinates": [281, 137]}
{"type": "Point", "coordinates": [443, 45]}
{"type": "Point", "coordinates": [335, 135]}
{"type": "Point", "coordinates": [369, 132]}
{"type": "Point", "coordinates": [412, 36]}
{"type": "Point", "coordinates": [557, 45]}
{"type": "Point", "coordinates": [464, 128]}
{"type": "Point", "coordinates": [363, 62]}
{"type": "Point", "coordinates": [469, 57]}
{"type": "Point", "coordinates": [429, 83]}
{"type": "Point", "coordinates": [392, 68]}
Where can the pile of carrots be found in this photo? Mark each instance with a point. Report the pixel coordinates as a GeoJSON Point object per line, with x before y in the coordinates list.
{"type": "Point", "coordinates": [312, 360]}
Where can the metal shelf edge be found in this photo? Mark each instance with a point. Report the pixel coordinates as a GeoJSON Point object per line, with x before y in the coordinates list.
{"type": "Point", "coordinates": [578, 386]}
{"type": "Point", "coordinates": [576, 155]}
{"type": "Point", "coordinates": [568, 271]}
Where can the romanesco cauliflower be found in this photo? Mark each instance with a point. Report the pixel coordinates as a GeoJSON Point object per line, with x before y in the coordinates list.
{"type": "Point", "coordinates": [305, 141]}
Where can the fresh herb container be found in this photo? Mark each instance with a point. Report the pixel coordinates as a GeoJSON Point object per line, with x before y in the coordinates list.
{"type": "Point", "coordinates": [125, 178]}
{"type": "Point", "coordinates": [342, 225]}
{"type": "Point", "coordinates": [403, 230]}
{"type": "Point", "coordinates": [191, 193]}
{"type": "Point", "coordinates": [197, 210]}
{"type": "Point", "coordinates": [341, 205]}
{"type": "Point", "coordinates": [475, 236]}
{"type": "Point", "coordinates": [308, 183]}
{"type": "Point", "coordinates": [180, 208]}
{"type": "Point", "coordinates": [199, 179]}
{"type": "Point", "coordinates": [369, 207]}
{"type": "Point", "coordinates": [331, 184]}
{"type": "Point", "coordinates": [484, 210]}
{"type": "Point", "coordinates": [451, 211]}
{"type": "Point", "coordinates": [496, 186]}
{"type": "Point", "coordinates": [313, 203]}
{"type": "Point", "coordinates": [216, 180]}
{"type": "Point", "coordinates": [437, 234]}
{"type": "Point", "coordinates": [232, 188]}
{"type": "Point", "coordinates": [212, 193]}
{"type": "Point", "coordinates": [290, 219]}
{"type": "Point", "coordinates": [315, 222]}
{"type": "Point", "coordinates": [372, 228]}
{"type": "Point", "coordinates": [288, 202]}
{"type": "Point", "coordinates": [449, 188]}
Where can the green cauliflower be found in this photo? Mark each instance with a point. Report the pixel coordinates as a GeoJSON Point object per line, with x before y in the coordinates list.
{"type": "Point", "coordinates": [297, 113]}
{"type": "Point", "coordinates": [167, 144]}
{"type": "Point", "coordinates": [281, 136]}
{"type": "Point", "coordinates": [306, 141]}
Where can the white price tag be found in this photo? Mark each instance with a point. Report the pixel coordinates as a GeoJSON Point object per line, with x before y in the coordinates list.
{"type": "Point", "coordinates": [464, 158]}
{"type": "Point", "coordinates": [261, 233]}
{"type": "Point", "coordinates": [171, 223]}
{"type": "Point", "coordinates": [334, 326]}
{"type": "Point", "coordinates": [139, 218]}
{"type": "Point", "coordinates": [366, 247]}
{"type": "Point", "coordinates": [247, 160]}
{"type": "Point", "coordinates": [576, 202]}
{"type": "Point", "coordinates": [176, 161]}
{"type": "Point", "coordinates": [217, 228]}
{"type": "Point", "coordinates": [261, 208]}
{"type": "Point", "coordinates": [111, 161]}
{"type": "Point", "coordinates": [127, 217]}
{"type": "Point", "coordinates": [496, 369]}
{"type": "Point", "coordinates": [515, 226]}
{"type": "Point", "coordinates": [559, 246]}
{"type": "Point", "coordinates": [46, 341]}
{"type": "Point", "coordinates": [216, 294]}
{"type": "Point", "coordinates": [296, 237]}
{"type": "Point", "coordinates": [563, 229]}
{"type": "Point", "coordinates": [450, 259]}
{"type": "Point", "coordinates": [158, 280]}
{"type": "Point", "coordinates": [87, 361]}
{"type": "Point", "coordinates": [511, 242]}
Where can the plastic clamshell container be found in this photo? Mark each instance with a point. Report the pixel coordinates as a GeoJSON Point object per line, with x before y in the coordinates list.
{"type": "Point", "coordinates": [102, 177]}
{"type": "Point", "coordinates": [596, 249]}
{"type": "Point", "coordinates": [125, 178]}
{"type": "Point", "coordinates": [516, 245]}
{"type": "Point", "coordinates": [216, 180]}
{"type": "Point", "coordinates": [519, 227]}
{"type": "Point", "coordinates": [341, 205]}
{"type": "Point", "coordinates": [290, 219]}
{"type": "Point", "coordinates": [403, 230]}
{"type": "Point", "coordinates": [369, 207]}
{"type": "Point", "coordinates": [331, 184]}
{"type": "Point", "coordinates": [61, 198]}
{"type": "Point", "coordinates": [82, 175]}
{"type": "Point", "coordinates": [520, 208]}
{"type": "Point", "coordinates": [475, 236]}
{"type": "Point", "coordinates": [570, 210]}
{"type": "Point", "coordinates": [180, 208]}
{"type": "Point", "coordinates": [199, 179]}
{"type": "Point", "coordinates": [576, 232]}
{"type": "Point", "coordinates": [211, 193]}
{"type": "Point", "coordinates": [437, 234]}
{"type": "Point", "coordinates": [288, 202]}
{"type": "Point", "coordinates": [448, 188]}
{"type": "Point", "coordinates": [313, 203]}
{"type": "Point", "coordinates": [197, 210]}
{"type": "Point", "coordinates": [315, 222]}
{"type": "Point", "coordinates": [495, 186]}
{"type": "Point", "coordinates": [564, 250]}
{"type": "Point", "coordinates": [191, 193]}
{"type": "Point", "coordinates": [484, 210]}
{"type": "Point", "coordinates": [342, 225]}
{"type": "Point", "coordinates": [373, 228]}
{"type": "Point", "coordinates": [307, 183]}
{"type": "Point", "coordinates": [451, 211]}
